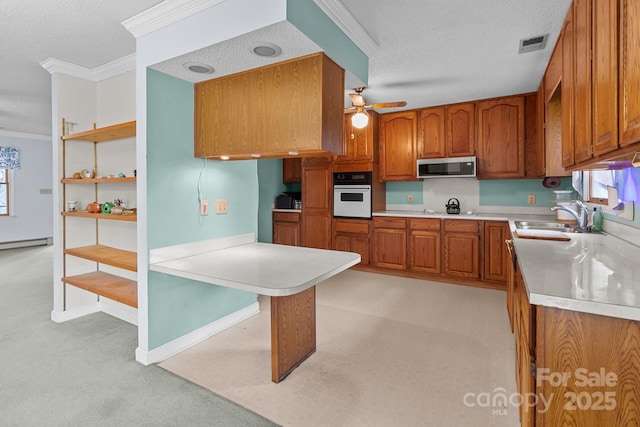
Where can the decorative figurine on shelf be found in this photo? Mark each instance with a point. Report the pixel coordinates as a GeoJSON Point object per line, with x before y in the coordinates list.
{"type": "Point", "coordinates": [106, 208]}
{"type": "Point", "coordinates": [87, 174]}
{"type": "Point", "coordinates": [117, 208]}
{"type": "Point", "coordinates": [121, 175]}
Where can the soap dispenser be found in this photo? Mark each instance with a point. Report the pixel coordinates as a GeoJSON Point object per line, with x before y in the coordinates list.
{"type": "Point", "coordinates": [597, 219]}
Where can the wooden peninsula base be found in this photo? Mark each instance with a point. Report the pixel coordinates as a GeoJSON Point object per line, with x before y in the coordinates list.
{"type": "Point", "coordinates": [239, 262]}
{"type": "Point", "coordinates": [293, 332]}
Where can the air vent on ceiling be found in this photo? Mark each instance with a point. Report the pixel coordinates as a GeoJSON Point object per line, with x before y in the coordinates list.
{"type": "Point", "coordinates": [533, 43]}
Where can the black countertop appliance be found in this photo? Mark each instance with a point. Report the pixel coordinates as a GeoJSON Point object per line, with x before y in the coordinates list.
{"type": "Point", "coordinates": [287, 200]}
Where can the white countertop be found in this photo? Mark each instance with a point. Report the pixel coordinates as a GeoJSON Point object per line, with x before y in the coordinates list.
{"type": "Point", "coordinates": [263, 268]}
{"type": "Point", "coordinates": [592, 273]}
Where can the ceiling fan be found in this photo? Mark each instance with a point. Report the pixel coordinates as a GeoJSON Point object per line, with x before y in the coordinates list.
{"type": "Point", "coordinates": [361, 118]}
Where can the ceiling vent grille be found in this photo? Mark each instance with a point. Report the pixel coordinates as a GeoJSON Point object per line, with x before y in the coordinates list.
{"type": "Point", "coordinates": [533, 43]}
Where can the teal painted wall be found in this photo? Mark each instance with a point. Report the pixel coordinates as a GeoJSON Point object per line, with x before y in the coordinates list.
{"type": "Point", "coordinates": [312, 21]}
{"type": "Point", "coordinates": [397, 192]}
{"type": "Point", "coordinates": [514, 192]}
{"type": "Point", "coordinates": [270, 185]}
{"type": "Point", "coordinates": [178, 306]}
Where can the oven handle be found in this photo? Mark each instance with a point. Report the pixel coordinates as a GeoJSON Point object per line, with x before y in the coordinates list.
{"type": "Point", "coordinates": [352, 189]}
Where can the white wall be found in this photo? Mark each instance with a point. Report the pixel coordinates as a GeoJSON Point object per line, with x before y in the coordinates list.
{"type": "Point", "coordinates": [31, 213]}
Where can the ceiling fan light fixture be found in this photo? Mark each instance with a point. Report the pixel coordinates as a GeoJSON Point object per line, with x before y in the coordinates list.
{"type": "Point", "coordinates": [360, 119]}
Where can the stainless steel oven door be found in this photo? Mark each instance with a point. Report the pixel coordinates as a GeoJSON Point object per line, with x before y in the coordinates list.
{"type": "Point", "coordinates": [352, 201]}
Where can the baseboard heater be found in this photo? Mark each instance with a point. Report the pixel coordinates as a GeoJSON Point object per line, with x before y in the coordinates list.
{"type": "Point", "coordinates": [25, 243]}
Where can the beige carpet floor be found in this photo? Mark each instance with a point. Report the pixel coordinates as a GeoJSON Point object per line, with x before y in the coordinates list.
{"type": "Point", "coordinates": [391, 351]}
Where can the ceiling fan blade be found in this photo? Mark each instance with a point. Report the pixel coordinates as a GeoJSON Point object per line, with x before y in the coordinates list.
{"type": "Point", "coordinates": [387, 104]}
{"type": "Point", "coordinates": [350, 110]}
{"type": "Point", "coordinates": [356, 99]}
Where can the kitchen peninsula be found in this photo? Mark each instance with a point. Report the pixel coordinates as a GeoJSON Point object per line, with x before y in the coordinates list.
{"type": "Point", "coordinates": [287, 274]}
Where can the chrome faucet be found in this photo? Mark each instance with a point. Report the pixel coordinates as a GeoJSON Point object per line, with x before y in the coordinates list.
{"type": "Point", "coordinates": [582, 217]}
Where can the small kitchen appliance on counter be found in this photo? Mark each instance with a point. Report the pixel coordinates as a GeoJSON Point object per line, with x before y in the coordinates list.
{"type": "Point", "coordinates": [453, 206]}
{"type": "Point", "coordinates": [289, 200]}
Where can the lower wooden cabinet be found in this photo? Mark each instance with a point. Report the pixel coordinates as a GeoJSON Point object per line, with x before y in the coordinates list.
{"type": "Point", "coordinates": [352, 235]}
{"type": "Point", "coordinates": [286, 228]}
{"type": "Point", "coordinates": [461, 248]}
{"type": "Point", "coordinates": [496, 256]}
{"type": "Point", "coordinates": [580, 368]}
{"type": "Point", "coordinates": [424, 245]}
{"type": "Point", "coordinates": [390, 242]}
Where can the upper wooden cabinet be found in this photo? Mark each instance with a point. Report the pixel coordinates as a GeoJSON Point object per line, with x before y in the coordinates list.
{"type": "Point", "coordinates": [629, 83]}
{"type": "Point", "coordinates": [431, 138]}
{"type": "Point", "coordinates": [446, 131]}
{"type": "Point", "coordinates": [500, 138]}
{"type": "Point", "coordinates": [292, 170]}
{"type": "Point", "coordinates": [398, 161]}
{"type": "Point", "coordinates": [600, 82]}
{"type": "Point", "coordinates": [605, 78]}
{"type": "Point", "coordinates": [295, 105]}
{"type": "Point", "coordinates": [360, 145]}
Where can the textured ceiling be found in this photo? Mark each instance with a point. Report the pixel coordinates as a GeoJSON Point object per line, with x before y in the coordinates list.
{"type": "Point", "coordinates": [82, 32]}
{"type": "Point", "coordinates": [430, 52]}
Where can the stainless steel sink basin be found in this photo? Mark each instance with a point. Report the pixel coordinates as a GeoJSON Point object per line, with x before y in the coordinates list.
{"type": "Point", "coordinates": [540, 225]}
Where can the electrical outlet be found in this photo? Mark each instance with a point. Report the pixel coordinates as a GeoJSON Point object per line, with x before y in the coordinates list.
{"type": "Point", "coordinates": [221, 206]}
{"type": "Point", "coordinates": [204, 207]}
{"type": "Point", "coordinates": [410, 198]}
{"type": "Point", "coordinates": [531, 199]}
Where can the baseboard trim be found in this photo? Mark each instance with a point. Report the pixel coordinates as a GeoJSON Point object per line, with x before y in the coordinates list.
{"type": "Point", "coordinates": [182, 343]}
{"type": "Point", "coordinates": [25, 243]}
{"type": "Point", "coordinates": [63, 316]}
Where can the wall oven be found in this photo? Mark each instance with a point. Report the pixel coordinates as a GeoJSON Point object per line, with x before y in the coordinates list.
{"type": "Point", "coordinates": [352, 195]}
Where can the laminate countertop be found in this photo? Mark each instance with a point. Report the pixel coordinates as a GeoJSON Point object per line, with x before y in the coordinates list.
{"type": "Point", "coordinates": [591, 273]}
{"type": "Point", "coordinates": [463, 215]}
{"type": "Point", "coordinates": [263, 268]}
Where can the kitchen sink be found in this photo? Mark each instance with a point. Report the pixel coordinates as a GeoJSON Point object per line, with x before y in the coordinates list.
{"type": "Point", "coordinates": [540, 225]}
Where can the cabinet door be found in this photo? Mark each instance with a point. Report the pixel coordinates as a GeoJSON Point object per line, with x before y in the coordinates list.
{"type": "Point", "coordinates": [424, 251]}
{"type": "Point", "coordinates": [534, 136]}
{"type": "Point", "coordinates": [461, 255]}
{"type": "Point", "coordinates": [398, 146]}
{"type": "Point", "coordinates": [390, 248]}
{"type": "Point", "coordinates": [291, 170]}
{"type": "Point", "coordinates": [565, 98]}
{"type": "Point", "coordinates": [580, 121]}
{"type": "Point", "coordinates": [342, 243]}
{"type": "Point", "coordinates": [286, 233]}
{"type": "Point", "coordinates": [460, 129]}
{"type": "Point", "coordinates": [360, 245]}
{"type": "Point", "coordinates": [501, 138]}
{"type": "Point", "coordinates": [629, 110]}
{"type": "Point", "coordinates": [317, 206]}
{"type": "Point", "coordinates": [431, 137]}
{"type": "Point", "coordinates": [605, 76]}
{"type": "Point", "coordinates": [496, 257]}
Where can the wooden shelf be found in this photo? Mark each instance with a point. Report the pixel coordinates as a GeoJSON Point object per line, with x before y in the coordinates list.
{"type": "Point", "coordinates": [97, 180]}
{"type": "Point", "coordinates": [112, 217]}
{"type": "Point", "coordinates": [108, 133]}
{"type": "Point", "coordinates": [126, 260]}
{"type": "Point", "coordinates": [107, 285]}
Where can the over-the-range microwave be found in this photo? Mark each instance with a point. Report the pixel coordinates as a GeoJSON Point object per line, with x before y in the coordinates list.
{"type": "Point", "coordinates": [452, 167]}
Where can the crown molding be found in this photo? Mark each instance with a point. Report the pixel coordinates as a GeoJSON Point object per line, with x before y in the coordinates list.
{"type": "Point", "coordinates": [165, 13]}
{"type": "Point", "coordinates": [22, 135]}
{"type": "Point", "coordinates": [103, 72]}
{"type": "Point", "coordinates": [341, 16]}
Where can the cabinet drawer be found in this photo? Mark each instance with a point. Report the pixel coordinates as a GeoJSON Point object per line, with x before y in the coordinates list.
{"type": "Point", "coordinates": [351, 226]}
{"type": "Point", "coordinates": [286, 216]}
{"type": "Point", "coordinates": [389, 222]}
{"type": "Point", "coordinates": [461, 225]}
{"type": "Point", "coordinates": [424, 224]}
